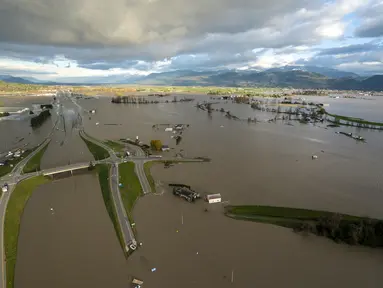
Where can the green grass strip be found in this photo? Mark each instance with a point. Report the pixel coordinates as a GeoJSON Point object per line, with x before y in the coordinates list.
{"type": "Point", "coordinates": [131, 189]}
{"type": "Point", "coordinates": [33, 164]}
{"type": "Point", "coordinates": [282, 212]}
{"type": "Point", "coordinates": [353, 119]}
{"type": "Point", "coordinates": [4, 170]}
{"type": "Point", "coordinates": [13, 214]}
{"type": "Point", "coordinates": [103, 178]}
{"type": "Point", "coordinates": [97, 151]}
{"type": "Point", "coordinates": [117, 147]}
{"type": "Point", "coordinates": [147, 167]}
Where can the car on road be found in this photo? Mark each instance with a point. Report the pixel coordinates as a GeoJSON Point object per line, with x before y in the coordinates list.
{"type": "Point", "coordinates": [186, 193]}
{"type": "Point", "coordinates": [5, 188]}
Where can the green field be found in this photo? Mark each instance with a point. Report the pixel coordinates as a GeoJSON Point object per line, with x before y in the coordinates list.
{"type": "Point", "coordinates": [33, 164]}
{"type": "Point", "coordinates": [353, 120]}
{"type": "Point", "coordinates": [131, 189]}
{"type": "Point", "coordinates": [13, 214]}
{"type": "Point", "coordinates": [338, 227]}
{"type": "Point", "coordinates": [103, 178]}
{"type": "Point", "coordinates": [116, 146]}
{"type": "Point", "coordinates": [4, 170]}
{"type": "Point", "coordinates": [121, 90]}
{"type": "Point", "coordinates": [11, 88]}
{"type": "Point", "coordinates": [147, 167]}
{"type": "Point", "coordinates": [98, 152]}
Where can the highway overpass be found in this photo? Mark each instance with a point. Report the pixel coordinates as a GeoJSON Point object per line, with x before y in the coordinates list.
{"type": "Point", "coordinates": [67, 168]}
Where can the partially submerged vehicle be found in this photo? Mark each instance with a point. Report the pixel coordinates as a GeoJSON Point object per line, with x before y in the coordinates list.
{"type": "Point", "coordinates": [186, 193]}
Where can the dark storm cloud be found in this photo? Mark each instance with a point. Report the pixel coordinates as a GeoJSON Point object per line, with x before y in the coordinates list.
{"type": "Point", "coordinates": [374, 28]}
{"type": "Point", "coordinates": [126, 22]}
{"type": "Point", "coordinates": [109, 65]}
{"type": "Point", "coordinates": [371, 20]}
{"type": "Point", "coordinates": [350, 49]}
{"type": "Point", "coordinates": [9, 71]}
{"type": "Point", "coordinates": [144, 30]}
{"type": "Point", "coordinates": [198, 34]}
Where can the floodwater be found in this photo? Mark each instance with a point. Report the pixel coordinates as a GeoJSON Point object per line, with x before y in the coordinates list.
{"type": "Point", "coordinates": [73, 245]}
{"type": "Point", "coordinates": [207, 248]}
{"type": "Point", "coordinates": [263, 163]}
{"type": "Point", "coordinates": [66, 146]}
{"type": "Point", "coordinates": [19, 133]}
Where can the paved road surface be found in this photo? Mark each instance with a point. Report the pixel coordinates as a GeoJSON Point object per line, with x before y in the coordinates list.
{"type": "Point", "coordinates": [139, 169]}
{"type": "Point", "coordinates": [126, 229]}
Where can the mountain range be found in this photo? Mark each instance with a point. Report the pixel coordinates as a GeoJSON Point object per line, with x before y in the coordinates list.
{"type": "Point", "coordinates": [305, 77]}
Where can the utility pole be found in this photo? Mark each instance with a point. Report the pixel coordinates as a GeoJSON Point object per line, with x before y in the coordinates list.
{"type": "Point", "coordinates": [232, 276]}
{"type": "Point", "coordinates": [182, 219]}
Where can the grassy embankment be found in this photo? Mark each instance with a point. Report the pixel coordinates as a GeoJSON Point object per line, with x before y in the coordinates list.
{"type": "Point", "coordinates": [16, 88]}
{"type": "Point", "coordinates": [116, 146]}
{"type": "Point", "coordinates": [350, 121]}
{"type": "Point", "coordinates": [33, 164]}
{"type": "Point", "coordinates": [338, 227]}
{"type": "Point", "coordinates": [147, 167]}
{"type": "Point", "coordinates": [97, 151]}
{"type": "Point", "coordinates": [4, 170]}
{"type": "Point", "coordinates": [103, 177]}
{"type": "Point", "coordinates": [131, 188]}
{"type": "Point", "coordinates": [13, 214]}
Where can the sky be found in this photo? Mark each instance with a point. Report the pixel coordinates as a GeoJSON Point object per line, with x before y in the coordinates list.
{"type": "Point", "coordinates": [94, 40]}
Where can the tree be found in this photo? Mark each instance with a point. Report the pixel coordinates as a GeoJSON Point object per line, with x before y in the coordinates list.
{"type": "Point", "coordinates": [156, 145]}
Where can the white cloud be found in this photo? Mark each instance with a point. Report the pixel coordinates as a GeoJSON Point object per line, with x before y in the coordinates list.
{"type": "Point", "coordinates": [53, 71]}
{"type": "Point", "coordinates": [331, 30]}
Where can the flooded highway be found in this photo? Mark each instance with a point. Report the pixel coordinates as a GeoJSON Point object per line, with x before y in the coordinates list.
{"type": "Point", "coordinates": [19, 133]}
{"type": "Point", "coordinates": [262, 163]}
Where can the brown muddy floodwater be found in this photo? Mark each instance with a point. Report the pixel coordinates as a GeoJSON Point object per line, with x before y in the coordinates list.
{"type": "Point", "coordinates": [18, 133]}
{"type": "Point", "coordinates": [74, 245]}
{"type": "Point", "coordinates": [66, 146]}
{"type": "Point", "coordinates": [208, 247]}
{"type": "Point", "coordinates": [263, 163]}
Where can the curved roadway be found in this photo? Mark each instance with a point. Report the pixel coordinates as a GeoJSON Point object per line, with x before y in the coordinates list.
{"type": "Point", "coordinates": [16, 175]}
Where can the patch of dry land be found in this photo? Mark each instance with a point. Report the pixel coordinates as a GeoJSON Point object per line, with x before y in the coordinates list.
{"type": "Point", "coordinates": [16, 89]}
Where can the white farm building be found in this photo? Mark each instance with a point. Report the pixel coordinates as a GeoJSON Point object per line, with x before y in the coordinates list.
{"type": "Point", "coordinates": [213, 198]}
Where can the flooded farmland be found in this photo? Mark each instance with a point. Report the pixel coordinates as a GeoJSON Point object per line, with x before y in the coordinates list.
{"type": "Point", "coordinates": [207, 248]}
{"type": "Point", "coordinates": [67, 239]}
{"type": "Point", "coordinates": [262, 163]}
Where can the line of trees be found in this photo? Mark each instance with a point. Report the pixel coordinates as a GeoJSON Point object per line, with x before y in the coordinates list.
{"type": "Point", "coordinates": [367, 232]}
{"type": "Point", "coordinates": [38, 120]}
